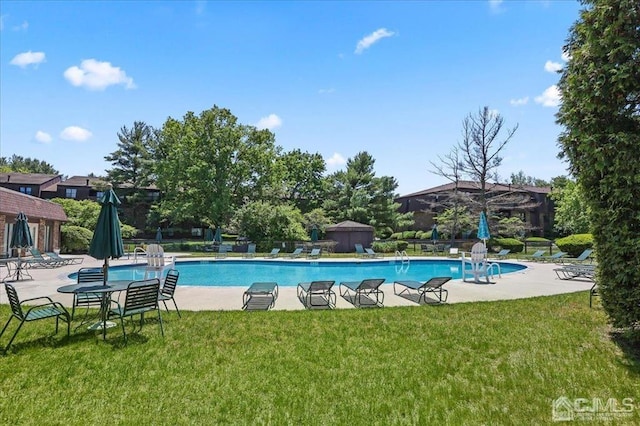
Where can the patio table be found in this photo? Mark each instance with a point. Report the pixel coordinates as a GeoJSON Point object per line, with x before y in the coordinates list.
{"type": "Point", "coordinates": [105, 290]}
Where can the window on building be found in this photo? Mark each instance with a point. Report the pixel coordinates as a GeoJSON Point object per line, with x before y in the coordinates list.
{"type": "Point", "coordinates": [154, 195]}
{"type": "Point", "coordinates": [25, 190]}
{"type": "Point", "coordinates": [71, 193]}
{"type": "Point", "coordinates": [99, 195]}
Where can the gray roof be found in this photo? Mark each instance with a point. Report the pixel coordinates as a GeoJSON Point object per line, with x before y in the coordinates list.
{"type": "Point", "coordinates": [350, 225]}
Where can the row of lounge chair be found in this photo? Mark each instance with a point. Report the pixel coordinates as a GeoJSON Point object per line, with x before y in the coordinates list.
{"type": "Point", "coordinates": [559, 257]}
{"type": "Point", "coordinates": [366, 293]}
{"type": "Point", "coordinates": [48, 260]}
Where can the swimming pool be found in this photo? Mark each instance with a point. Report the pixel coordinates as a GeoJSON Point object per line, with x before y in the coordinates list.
{"type": "Point", "coordinates": [227, 273]}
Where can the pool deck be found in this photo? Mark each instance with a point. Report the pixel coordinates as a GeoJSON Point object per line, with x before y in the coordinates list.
{"type": "Point", "coordinates": [538, 279]}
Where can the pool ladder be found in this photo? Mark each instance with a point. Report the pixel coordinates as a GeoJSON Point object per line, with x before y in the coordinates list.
{"type": "Point", "coordinates": [403, 256]}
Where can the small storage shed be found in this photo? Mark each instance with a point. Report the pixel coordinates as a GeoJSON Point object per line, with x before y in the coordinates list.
{"type": "Point", "coordinates": [349, 233]}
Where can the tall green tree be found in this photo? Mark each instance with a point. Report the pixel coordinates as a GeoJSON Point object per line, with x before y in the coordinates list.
{"type": "Point", "coordinates": [521, 179]}
{"type": "Point", "coordinates": [572, 212]}
{"type": "Point", "coordinates": [600, 112]}
{"type": "Point", "coordinates": [303, 183]}
{"type": "Point", "coordinates": [17, 163]}
{"type": "Point", "coordinates": [210, 165]}
{"type": "Point", "coordinates": [133, 160]}
{"type": "Point", "coordinates": [357, 194]}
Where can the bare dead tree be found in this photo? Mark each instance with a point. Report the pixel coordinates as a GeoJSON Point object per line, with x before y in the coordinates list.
{"type": "Point", "coordinates": [481, 146]}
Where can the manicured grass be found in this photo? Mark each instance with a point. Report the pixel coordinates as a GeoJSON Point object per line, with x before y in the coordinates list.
{"type": "Point", "coordinates": [473, 363]}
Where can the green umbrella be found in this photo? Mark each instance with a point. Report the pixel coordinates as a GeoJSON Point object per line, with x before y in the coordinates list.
{"type": "Point", "coordinates": [107, 238]}
{"type": "Point", "coordinates": [218, 237]}
{"type": "Point", "coordinates": [483, 229]}
{"type": "Point", "coordinates": [159, 235]}
{"type": "Point", "coordinates": [314, 234]}
{"type": "Point", "coordinates": [434, 234]}
{"type": "Point", "coordinates": [21, 237]}
{"type": "Point", "coordinates": [208, 234]}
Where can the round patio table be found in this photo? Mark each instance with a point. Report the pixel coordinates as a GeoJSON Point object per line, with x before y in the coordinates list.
{"type": "Point", "coordinates": [105, 290]}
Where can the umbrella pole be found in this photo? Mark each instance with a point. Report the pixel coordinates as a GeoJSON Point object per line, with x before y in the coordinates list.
{"type": "Point", "coordinates": [105, 270]}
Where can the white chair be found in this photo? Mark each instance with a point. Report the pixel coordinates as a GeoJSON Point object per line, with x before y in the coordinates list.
{"type": "Point", "coordinates": [476, 265]}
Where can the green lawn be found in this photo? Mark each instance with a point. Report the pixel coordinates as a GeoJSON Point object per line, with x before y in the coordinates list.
{"type": "Point", "coordinates": [471, 363]}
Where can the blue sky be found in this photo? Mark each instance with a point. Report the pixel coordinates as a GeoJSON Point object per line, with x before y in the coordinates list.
{"type": "Point", "coordinates": [393, 78]}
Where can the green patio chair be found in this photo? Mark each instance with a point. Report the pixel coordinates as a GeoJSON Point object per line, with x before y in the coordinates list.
{"type": "Point", "coordinates": [169, 288]}
{"type": "Point", "coordinates": [141, 297]}
{"type": "Point", "coordinates": [49, 309]}
{"type": "Point", "coordinates": [314, 253]}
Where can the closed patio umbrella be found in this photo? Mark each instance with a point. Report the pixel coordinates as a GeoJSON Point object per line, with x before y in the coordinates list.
{"type": "Point", "coordinates": [434, 234]}
{"type": "Point", "coordinates": [314, 234]}
{"type": "Point", "coordinates": [218, 237]}
{"type": "Point", "coordinates": [208, 234]}
{"type": "Point", "coordinates": [21, 238]}
{"type": "Point", "coordinates": [483, 229]}
{"type": "Point", "coordinates": [159, 235]}
{"type": "Point", "coordinates": [107, 238]}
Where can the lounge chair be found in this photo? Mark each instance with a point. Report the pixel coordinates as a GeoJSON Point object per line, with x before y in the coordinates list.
{"type": "Point", "coordinates": [296, 253]}
{"type": "Point", "coordinates": [502, 254]}
{"type": "Point", "coordinates": [39, 261]}
{"type": "Point", "coordinates": [64, 260]}
{"type": "Point", "coordinates": [314, 253]}
{"type": "Point", "coordinates": [360, 251]}
{"type": "Point", "coordinates": [372, 253]}
{"type": "Point", "coordinates": [274, 253]}
{"type": "Point", "coordinates": [251, 251]}
{"type": "Point", "coordinates": [537, 255]}
{"type": "Point", "coordinates": [169, 288]}
{"type": "Point", "coordinates": [584, 256]}
{"type": "Point", "coordinates": [570, 272]}
{"type": "Point", "coordinates": [434, 286]}
{"type": "Point", "coordinates": [354, 291]}
{"type": "Point", "coordinates": [593, 293]}
{"type": "Point", "coordinates": [141, 297]}
{"type": "Point", "coordinates": [317, 294]}
{"type": "Point", "coordinates": [49, 309]}
{"type": "Point", "coordinates": [553, 258]}
{"type": "Point", "coordinates": [260, 296]}
{"type": "Point", "coordinates": [223, 251]}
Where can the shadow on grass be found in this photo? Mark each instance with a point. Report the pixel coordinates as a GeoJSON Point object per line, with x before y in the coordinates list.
{"type": "Point", "coordinates": [628, 340]}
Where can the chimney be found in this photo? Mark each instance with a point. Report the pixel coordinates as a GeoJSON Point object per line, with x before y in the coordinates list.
{"type": "Point", "coordinates": [8, 178]}
{"type": "Point", "coordinates": [87, 182]}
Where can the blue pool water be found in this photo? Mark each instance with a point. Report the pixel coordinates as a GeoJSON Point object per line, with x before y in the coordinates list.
{"type": "Point", "coordinates": [242, 273]}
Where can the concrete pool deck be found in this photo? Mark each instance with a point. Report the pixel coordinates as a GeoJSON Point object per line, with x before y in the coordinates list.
{"type": "Point", "coordinates": [538, 279]}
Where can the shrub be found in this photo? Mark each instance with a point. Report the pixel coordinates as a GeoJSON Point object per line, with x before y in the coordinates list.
{"type": "Point", "coordinates": [407, 235]}
{"type": "Point", "coordinates": [395, 236]}
{"type": "Point", "coordinates": [537, 240]}
{"type": "Point", "coordinates": [389, 246]}
{"type": "Point", "coordinates": [516, 246]}
{"type": "Point", "coordinates": [575, 244]}
{"type": "Point", "coordinates": [75, 238]}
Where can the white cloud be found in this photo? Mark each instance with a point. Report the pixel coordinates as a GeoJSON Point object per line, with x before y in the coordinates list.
{"type": "Point", "coordinates": [336, 160]}
{"type": "Point", "coordinates": [43, 137]}
{"type": "Point", "coordinates": [519, 102]}
{"type": "Point", "coordinates": [270, 122]}
{"type": "Point", "coordinates": [95, 75]}
{"type": "Point", "coordinates": [565, 56]}
{"type": "Point", "coordinates": [75, 133]}
{"type": "Point", "coordinates": [325, 91]}
{"type": "Point", "coordinates": [496, 6]}
{"type": "Point", "coordinates": [22, 27]}
{"type": "Point", "coordinates": [372, 38]}
{"type": "Point", "coordinates": [28, 58]}
{"type": "Point", "coordinates": [550, 97]}
{"type": "Point", "coordinates": [551, 66]}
